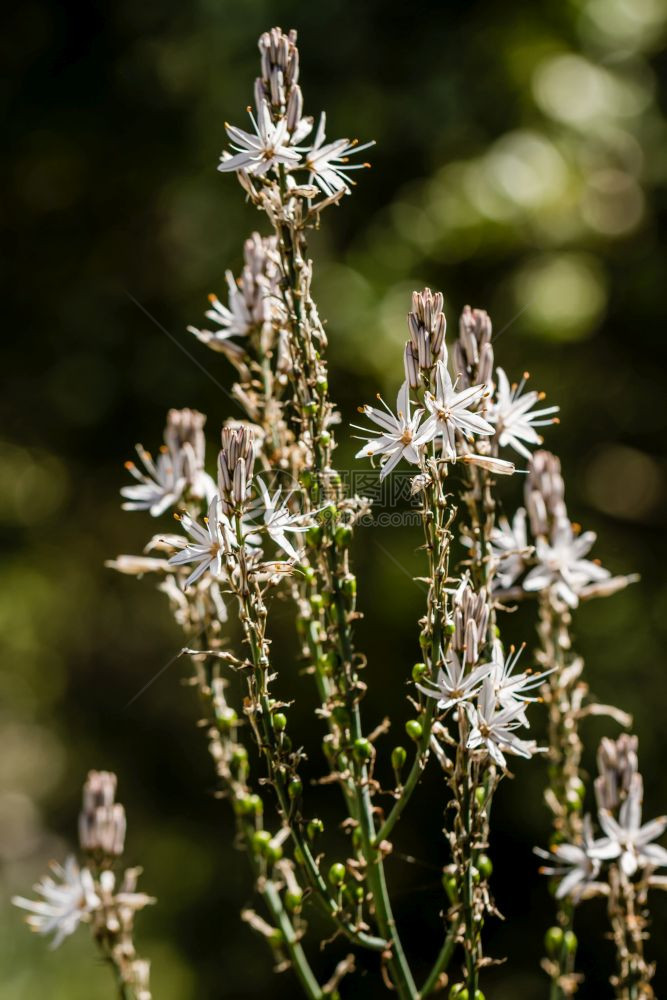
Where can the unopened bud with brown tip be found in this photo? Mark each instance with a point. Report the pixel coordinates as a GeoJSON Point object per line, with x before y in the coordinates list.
{"type": "Point", "coordinates": [102, 822]}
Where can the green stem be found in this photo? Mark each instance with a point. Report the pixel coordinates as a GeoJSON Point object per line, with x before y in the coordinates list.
{"type": "Point", "coordinates": [300, 963]}
{"type": "Point", "coordinates": [413, 777]}
{"type": "Point", "coordinates": [441, 962]}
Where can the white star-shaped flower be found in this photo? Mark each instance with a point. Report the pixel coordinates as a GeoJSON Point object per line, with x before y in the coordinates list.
{"type": "Point", "coordinates": [453, 685]}
{"type": "Point", "coordinates": [514, 423]}
{"type": "Point", "coordinates": [509, 547]}
{"type": "Point", "coordinates": [492, 727]}
{"type": "Point", "coordinates": [579, 864]}
{"type": "Point", "coordinates": [450, 412]}
{"type": "Point", "coordinates": [631, 841]}
{"type": "Point", "coordinates": [262, 150]}
{"type": "Point", "coordinates": [208, 545]}
{"type": "Point", "coordinates": [66, 901]}
{"type": "Point", "coordinates": [512, 689]}
{"type": "Point", "coordinates": [160, 486]}
{"type": "Point", "coordinates": [278, 520]}
{"type": "Point", "coordinates": [329, 164]}
{"type": "Point", "coordinates": [397, 434]}
{"type": "Point", "coordinates": [561, 565]}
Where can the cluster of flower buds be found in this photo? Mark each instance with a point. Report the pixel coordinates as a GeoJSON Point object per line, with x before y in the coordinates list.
{"type": "Point", "coordinates": [177, 471]}
{"type": "Point", "coordinates": [427, 325]}
{"type": "Point", "coordinates": [545, 493]}
{"type": "Point", "coordinates": [279, 57]}
{"type": "Point", "coordinates": [253, 304]}
{"type": "Point", "coordinates": [184, 436]}
{"type": "Point", "coordinates": [102, 822]}
{"type": "Point", "coordinates": [617, 764]}
{"type": "Point", "coordinates": [473, 353]}
{"type": "Point", "coordinates": [235, 466]}
{"type": "Point", "coordinates": [73, 895]}
{"type": "Point", "coordinates": [470, 620]}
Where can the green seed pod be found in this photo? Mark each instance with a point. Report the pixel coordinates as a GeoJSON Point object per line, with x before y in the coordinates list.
{"type": "Point", "coordinates": [325, 438]}
{"type": "Point", "coordinates": [350, 586]}
{"type": "Point", "coordinates": [553, 941]}
{"type": "Point", "coordinates": [479, 995]}
{"type": "Point", "coordinates": [451, 886]}
{"type": "Point", "coordinates": [458, 992]}
{"type": "Point", "coordinates": [239, 759]}
{"type": "Point", "coordinates": [273, 851]}
{"type": "Point", "coordinates": [570, 942]}
{"type": "Point", "coordinates": [295, 788]}
{"type": "Point", "coordinates": [418, 672]}
{"type": "Point", "coordinates": [450, 628]}
{"type": "Point", "coordinates": [337, 873]}
{"type": "Point", "coordinates": [357, 838]}
{"type": "Point", "coordinates": [315, 827]}
{"type": "Point", "coordinates": [474, 874]}
{"type": "Point", "coordinates": [322, 385]}
{"type": "Point", "coordinates": [413, 728]}
{"type": "Point", "coordinates": [277, 938]}
{"type": "Point", "coordinates": [306, 479]}
{"type": "Point", "coordinates": [313, 536]}
{"type": "Point", "coordinates": [256, 804]}
{"type": "Point", "coordinates": [485, 866]}
{"type": "Point", "coordinates": [399, 756]}
{"type": "Point", "coordinates": [343, 535]}
{"type": "Point", "coordinates": [243, 806]}
{"type": "Point", "coordinates": [316, 602]}
{"type": "Point", "coordinates": [329, 513]}
{"type": "Point", "coordinates": [260, 841]}
{"type": "Point", "coordinates": [362, 749]}
{"type": "Point", "coordinates": [279, 722]}
{"type": "Point", "coordinates": [311, 408]}
{"type": "Point", "coordinates": [226, 718]}
{"type": "Point", "coordinates": [293, 900]}
{"type": "Point", "coordinates": [480, 796]}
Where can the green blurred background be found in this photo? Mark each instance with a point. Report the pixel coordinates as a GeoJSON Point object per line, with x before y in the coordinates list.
{"type": "Point", "coordinates": [520, 166]}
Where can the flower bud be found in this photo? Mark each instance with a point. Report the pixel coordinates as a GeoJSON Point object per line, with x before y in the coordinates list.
{"type": "Point", "coordinates": [315, 827]}
{"type": "Point", "coordinates": [362, 749]}
{"type": "Point", "coordinates": [295, 788]}
{"type": "Point", "coordinates": [413, 728]}
{"type": "Point", "coordinates": [337, 873]}
{"type": "Point", "coordinates": [570, 942]}
{"type": "Point", "coordinates": [485, 866]}
{"type": "Point", "coordinates": [260, 841]}
{"type": "Point", "coordinates": [279, 722]}
{"type": "Point", "coordinates": [418, 672]}
{"type": "Point", "coordinates": [553, 941]}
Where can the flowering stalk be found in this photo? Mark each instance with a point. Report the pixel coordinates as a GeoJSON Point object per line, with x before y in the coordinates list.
{"type": "Point", "coordinates": [90, 894]}
{"type": "Point", "coordinates": [469, 699]}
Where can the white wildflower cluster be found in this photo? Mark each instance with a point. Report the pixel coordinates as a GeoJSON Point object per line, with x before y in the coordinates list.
{"type": "Point", "coordinates": [492, 695]}
{"type": "Point", "coordinates": [92, 893]}
{"type": "Point", "coordinates": [254, 309]}
{"type": "Point", "coordinates": [553, 559]}
{"type": "Point", "coordinates": [626, 845]}
{"type": "Point", "coordinates": [448, 417]}
{"type": "Point", "coordinates": [275, 512]}
{"type": "Point", "coordinates": [240, 512]}
{"type": "Point", "coordinates": [275, 151]}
